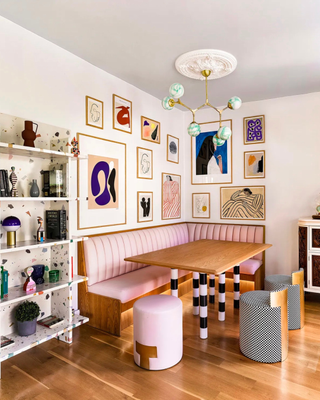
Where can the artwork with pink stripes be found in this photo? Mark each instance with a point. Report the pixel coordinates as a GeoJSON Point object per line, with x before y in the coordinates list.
{"type": "Point", "coordinates": [171, 196]}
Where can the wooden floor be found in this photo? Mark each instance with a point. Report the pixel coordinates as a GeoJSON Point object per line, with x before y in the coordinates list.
{"type": "Point", "coordinates": [98, 366]}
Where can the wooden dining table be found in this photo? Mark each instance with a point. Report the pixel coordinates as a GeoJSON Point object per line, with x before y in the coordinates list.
{"type": "Point", "coordinates": [202, 257]}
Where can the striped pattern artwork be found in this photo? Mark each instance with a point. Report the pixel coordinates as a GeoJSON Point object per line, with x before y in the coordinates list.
{"type": "Point", "coordinates": [244, 205]}
{"type": "Point", "coordinates": [171, 202]}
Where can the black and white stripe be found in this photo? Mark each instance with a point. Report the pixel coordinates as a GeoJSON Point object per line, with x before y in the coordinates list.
{"type": "Point", "coordinates": [195, 293]}
{"type": "Point", "coordinates": [236, 286]}
{"type": "Point", "coordinates": [203, 307]}
{"type": "Point", "coordinates": [211, 288]}
{"type": "Point", "coordinates": [174, 282]}
{"type": "Point", "coordinates": [222, 297]}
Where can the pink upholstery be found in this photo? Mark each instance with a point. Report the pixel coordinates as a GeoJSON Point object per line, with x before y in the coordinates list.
{"type": "Point", "coordinates": [249, 266]}
{"type": "Point", "coordinates": [130, 286]}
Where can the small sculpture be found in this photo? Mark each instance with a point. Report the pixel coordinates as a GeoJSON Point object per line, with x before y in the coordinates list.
{"type": "Point", "coordinates": [13, 179]}
{"type": "Point", "coordinates": [75, 151]}
{"type": "Point", "coordinates": [37, 274]}
{"type": "Point", "coordinates": [28, 135]}
{"type": "Point", "coordinates": [41, 235]}
{"type": "Point", "coordinates": [29, 286]}
{"type": "Point", "coordinates": [34, 190]}
{"type": "Point", "coordinates": [11, 225]}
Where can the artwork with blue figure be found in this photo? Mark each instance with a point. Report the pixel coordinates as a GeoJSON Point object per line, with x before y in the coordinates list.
{"type": "Point", "coordinates": [103, 182]}
{"type": "Point", "coordinates": [210, 159]}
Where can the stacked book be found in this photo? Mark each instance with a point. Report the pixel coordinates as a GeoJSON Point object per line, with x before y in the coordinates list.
{"type": "Point", "coordinates": [6, 342]}
{"type": "Point", "coordinates": [4, 183]}
{"type": "Point", "coordinates": [51, 322]}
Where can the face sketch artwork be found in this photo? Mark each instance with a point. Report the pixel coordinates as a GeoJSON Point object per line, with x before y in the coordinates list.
{"type": "Point", "coordinates": [144, 163]}
{"type": "Point", "coordinates": [244, 204]}
{"type": "Point", "coordinates": [173, 148]}
{"type": "Point", "coordinates": [94, 112]}
{"type": "Point", "coordinates": [171, 198]}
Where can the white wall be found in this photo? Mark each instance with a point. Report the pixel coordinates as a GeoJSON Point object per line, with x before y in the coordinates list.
{"type": "Point", "coordinates": [292, 170]}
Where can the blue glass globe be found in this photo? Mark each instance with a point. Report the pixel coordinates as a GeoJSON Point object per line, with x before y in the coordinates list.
{"type": "Point", "coordinates": [217, 141]}
{"type": "Point", "coordinates": [176, 90]}
{"type": "Point", "coordinates": [11, 224]}
{"type": "Point", "coordinates": [194, 129]}
{"type": "Point", "coordinates": [234, 103]}
{"type": "Point", "coordinates": [224, 133]}
{"type": "Point", "coordinates": [166, 103]}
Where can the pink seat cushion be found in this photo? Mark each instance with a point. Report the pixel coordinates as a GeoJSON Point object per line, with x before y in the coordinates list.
{"type": "Point", "coordinates": [129, 286]}
{"type": "Point", "coordinates": [248, 267]}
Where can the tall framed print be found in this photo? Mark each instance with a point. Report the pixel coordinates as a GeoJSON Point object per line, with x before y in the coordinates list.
{"type": "Point", "coordinates": [211, 164]}
{"type": "Point", "coordinates": [200, 205]}
{"type": "Point", "coordinates": [254, 164]}
{"type": "Point", "coordinates": [122, 114]}
{"type": "Point", "coordinates": [144, 163]}
{"type": "Point", "coordinates": [242, 202]}
{"type": "Point", "coordinates": [145, 206]}
{"type": "Point", "coordinates": [253, 130]}
{"type": "Point", "coordinates": [101, 182]}
{"type": "Point", "coordinates": [172, 149]}
{"type": "Point", "coordinates": [150, 130]}
{"type": "Point", "coordinates": [94, 112]}
{"type": "Point", "coordinates": [171, 196]}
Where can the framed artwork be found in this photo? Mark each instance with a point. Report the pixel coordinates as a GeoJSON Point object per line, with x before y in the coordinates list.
{"type": "Point", "coordinates": [145, 206]}
{"type": "Point", "coordinates": [171, 196]}
{"type": "Point", "coordinates": [122, 114]}
{"type": "Point", "coordinates": [101, 183]}
{"type": "Point", "coordinates": [253, 129]}
{"type": "Point", "coordinates": [211, 164]}
{"type": "Point", "coordinates": [144, 163]}
{"type": "Point", "coordinates": [94, 112]}
{"type": "Point", "coordinates": [150, 130]}
{"type": "Point", "coordinates": [241, 202]}
{"type": "Point", "coordinates": [254, 164]}
{"type": "Point", "coordinates": [200, 205]}
{"type": "Point", "coordinates": [172, 149]}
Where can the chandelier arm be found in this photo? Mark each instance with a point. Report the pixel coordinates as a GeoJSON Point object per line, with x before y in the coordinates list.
{"type": "Point", "coordinates": [215, 108]}
{"type": "Point", "coordinates": [225, 108]}
{"type": "Point", "coordinates": [203, 105]}
{"type": "Point", "coordinates": [182, 104]}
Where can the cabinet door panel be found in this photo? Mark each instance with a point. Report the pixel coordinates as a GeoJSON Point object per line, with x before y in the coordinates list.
{"type": "Point", "coordinates": [315, 238]}
{"type": "Point", "coordinates": [303, 251]}
{"type": "Point", "coordinates": [315, 265]}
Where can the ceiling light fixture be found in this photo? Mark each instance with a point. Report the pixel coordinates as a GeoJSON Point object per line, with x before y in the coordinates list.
{"type": "Point", "coordinates": [204, 65]}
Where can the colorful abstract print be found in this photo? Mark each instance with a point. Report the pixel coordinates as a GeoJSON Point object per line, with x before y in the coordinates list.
{"type": "Point", "coordinates": [254, 130]}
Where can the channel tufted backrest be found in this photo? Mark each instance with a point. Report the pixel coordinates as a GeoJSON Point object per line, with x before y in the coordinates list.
{"type": "Point", "coordinates": [104, 254]}
{"type": "Point", "coordinates": [234, 233]}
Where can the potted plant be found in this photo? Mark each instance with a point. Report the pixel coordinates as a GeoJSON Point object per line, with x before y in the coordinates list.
{"type": "Point", "coordinates": [26, 316]}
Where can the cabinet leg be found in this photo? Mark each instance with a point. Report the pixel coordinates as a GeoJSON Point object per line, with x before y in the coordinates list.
{"type": "Point", "coordinates": [66, 337]}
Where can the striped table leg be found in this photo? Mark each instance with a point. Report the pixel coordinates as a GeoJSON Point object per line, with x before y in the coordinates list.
{"type": "Point", "coordinates": [174, 282]}
{"type": "Point", "coordinates": [203, 307]}
{"type": "Point", "coordinates": [212, 281]}
{"type": "Point", "coordinates": [236, 285]}
{"type": "Point", "coordinates": [196, 293]}
{"type": "Point", "coordinates": [222, 297]}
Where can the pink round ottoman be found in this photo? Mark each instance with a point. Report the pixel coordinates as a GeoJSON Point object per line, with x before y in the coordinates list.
{"type": "Point", "coordinates": [157, 332]}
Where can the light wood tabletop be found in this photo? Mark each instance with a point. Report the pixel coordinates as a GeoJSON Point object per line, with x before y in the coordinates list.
{"type": "Point", "coordinates": [206, 256]}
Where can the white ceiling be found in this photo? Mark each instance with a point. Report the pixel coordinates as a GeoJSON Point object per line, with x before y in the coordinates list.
{"type": "Point", "coordinates": [276, 42]}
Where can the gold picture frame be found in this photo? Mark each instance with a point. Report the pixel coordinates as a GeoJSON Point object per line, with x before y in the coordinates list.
{"type": "Point", "coordinates": [143, 208]}
{"type": "Point", "coordinates": [170, 196]}
{"type": "Point", "coordinates": [94, 112]}
{"type": "Point", "coordinates": [254, 129]}
{"type": "Point", "coordinates": [144, 163]}
{"type": "Point", "coordinates": [253, 167]}
{"type": "Point", "coordinates": [150, 130]}
{"type": "Point", "coordinates": [201, 205]}
{"type": "Point", "coordinates": [173, 149]}
{"type": "Point", "coordinates": [121, 119]}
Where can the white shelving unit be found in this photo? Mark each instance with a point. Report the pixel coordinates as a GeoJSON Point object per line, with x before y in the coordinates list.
{"type": "Point", "coordinates": [53, 298]}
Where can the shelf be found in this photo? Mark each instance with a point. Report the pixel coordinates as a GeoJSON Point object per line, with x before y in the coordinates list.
{"type": "Point", "coordinates": [23, 343]}
{"type": "Point", "coordinates": [33, 244]}
{"type": "Point", "coordinates": [37, 199]}
{"type": "Point", "coordinates": [25, 151]}
{"type": "Point", "coordinates": [16, 293]}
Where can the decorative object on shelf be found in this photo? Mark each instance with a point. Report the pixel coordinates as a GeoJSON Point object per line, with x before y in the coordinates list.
{"type": "Point", "coordinates": [4, 283]}
{"type": "Point", "coordinates": [253, 129]}
{"type": "Point", "coordinates": [254, 164]}
{"type": "Point", "coordinates": [26, 316]}
{"type": "Point", "coordinates": [150, 130]}
{"type": "Point", "coordinates": [145, 206]}
{"type": "Point", "coordinates": [200, 205]}
{"type": "Point", "coordinates": [37, 274]}
{"type": "Point", "coordinates": [122, 114]}
{"type": "Point", "coordinates": [56, 224]}
{"type": "Point", "coordinates": [74, 150]}
{"type": "Point", "coordinates": [171, 196]}
{"type": "Point", "coordinates": [29, 135]}
{"type": "Point", "coordinates": [172, 149]}
{"type": "Point", "coordinates": [34, 190]}
{"type": "Point", "coordinates": [51, 321]}
{"type": "Point", "coordinates": [54, 183]}
{"type": "Point", "coordinates": [54, 276]}
{"type": "Point", "coordinates": [112, 186]}
{"type": "Point", "coordinates": [29, 286]}
{"type": "Point", "coordinates": [94, 112]}
{"type": "Point", "coordinates": [211, 164]}
{"type": "Point", "coordinates": [13, 179]}
{"type": "Point", "coordinates": [4, 183]}
{"type": "Point", "coordinates": [11, 224]}
{"type": "Point", "coordinates": [41, 235]}
{"type": "Point", "coordinates": [144, 163]}
{"type": "Point", "coordinates": [244, 203]}
{"type": "Point", "coordinates": [204, 64]}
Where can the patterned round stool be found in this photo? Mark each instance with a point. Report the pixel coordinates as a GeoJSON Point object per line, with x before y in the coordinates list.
{"type": "Point", "coordinates": [264, 325]}
{"type": "Point", "coordinates": [294, 283]}
{"type": "Point", "coordinates": [157, 332]}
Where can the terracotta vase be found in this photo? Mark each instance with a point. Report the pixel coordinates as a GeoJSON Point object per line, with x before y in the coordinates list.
{"type": "Point", "coordinates": [28, 135]}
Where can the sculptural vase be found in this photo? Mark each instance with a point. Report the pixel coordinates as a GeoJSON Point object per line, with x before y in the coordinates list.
{"type": "Point", "coordinates": [34, 190]}
{"type": "Point", "coordinates": [28, 135]}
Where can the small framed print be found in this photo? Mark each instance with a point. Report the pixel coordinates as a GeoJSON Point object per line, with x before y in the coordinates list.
{"type": "Point", "coordinates": [94, 112]}
{"type": "Point", "coordinates": [254, 164]}
{"type": "Point", "coordinates": [171, 196]}
{"type": "Point", "coordinates": [200, 205]}
{"type": "Point", "coordinates": [253, 130]}
{"type": "Point", "coordinates": [144, 163]}
{"type": "Point", "coordinates": [150, 130]}
{"type": "Point", "coordinates": [172, 149]}
{"type": "Point", "coordinates": [122, 114]}
{"type": "Point", "coordinates": [145, 206]}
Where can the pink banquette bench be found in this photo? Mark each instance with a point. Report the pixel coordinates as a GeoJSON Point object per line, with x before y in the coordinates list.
{"type": "Point", "coordinates": [114, 285]}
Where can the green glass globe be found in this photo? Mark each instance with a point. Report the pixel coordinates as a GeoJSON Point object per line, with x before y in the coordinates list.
{"type": "Point", "coordinates": [217, 141]}
{"type": "Point", "coordinates": [176, 90]}
{"type": "Point", "coordinates": [224, 133]}
{"type": "Point", "coordinates": [234, 103]}
{"type": "Point", "coordinates": [166, 103]}
{"type": "Point", "coordinates": [194, 129]}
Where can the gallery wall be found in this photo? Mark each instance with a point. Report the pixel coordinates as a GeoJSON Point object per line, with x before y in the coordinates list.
{"type": "Point", "coordinates": [292, 144]}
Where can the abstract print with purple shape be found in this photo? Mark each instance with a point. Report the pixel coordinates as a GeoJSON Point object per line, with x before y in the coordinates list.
{"type": "Point", "coordinates": [254, 130]}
